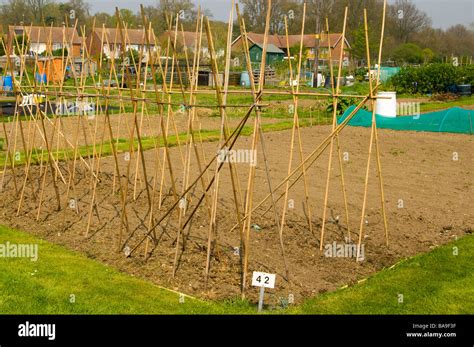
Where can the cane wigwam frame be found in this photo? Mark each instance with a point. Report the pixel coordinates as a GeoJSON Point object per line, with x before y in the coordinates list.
{"type": "Point", "coordinates": [162, 181]}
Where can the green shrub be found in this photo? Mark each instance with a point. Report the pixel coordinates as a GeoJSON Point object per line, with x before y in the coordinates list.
{"type": "Point", "coordinates": [408, 53]}
{"type": "Point", "coordinates": [360, 74]}
{"type": "Point", "coordinates": [59, 52]}
{"type": "Point", "coordinates": [342, 105]}
{"type": "Point", "coordinates": [432, 78]}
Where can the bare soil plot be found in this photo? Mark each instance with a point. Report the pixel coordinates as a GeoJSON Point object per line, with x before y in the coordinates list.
{"type": "Point", "coordinates": [419, 173]}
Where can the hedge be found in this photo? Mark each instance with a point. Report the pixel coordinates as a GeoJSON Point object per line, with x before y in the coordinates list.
{"type": "Point", "coordinates": [432, 78]}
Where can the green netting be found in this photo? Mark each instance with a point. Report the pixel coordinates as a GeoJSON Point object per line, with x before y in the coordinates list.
{"type": "Point", "coordinates": [387, 72]}
{"type": "Point", "coordinates": [453, 120]}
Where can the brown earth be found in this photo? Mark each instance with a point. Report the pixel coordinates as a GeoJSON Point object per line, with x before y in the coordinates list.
{"type": "Point", "coordinates": [418, 172]}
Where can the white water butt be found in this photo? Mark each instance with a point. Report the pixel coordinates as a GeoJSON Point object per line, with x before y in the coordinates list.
{"type": "Point", "coordinates": [387, 104]}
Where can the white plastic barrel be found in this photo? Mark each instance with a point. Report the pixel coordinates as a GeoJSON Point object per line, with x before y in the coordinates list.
{"type": "Point", "coordinates": [387, 105]}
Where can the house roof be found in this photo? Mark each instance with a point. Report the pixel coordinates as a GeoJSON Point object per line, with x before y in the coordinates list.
{"type": "Point", "coordinates": [45, 34]}
{"type": "Point", "coordinates": [309, 40]}
{"type": "Point", "coordinates": [271, 48]}
{"type": "Point", "coordinates": [189, 37]}
{"type": "Point", "coordinates": [132, 36]}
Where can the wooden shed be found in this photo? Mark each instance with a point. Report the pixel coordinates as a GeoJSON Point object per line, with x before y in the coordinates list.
{"type": "Point", "coordinates": [274, 54]}
{"type": "Point", "coordinates": [52, 68]}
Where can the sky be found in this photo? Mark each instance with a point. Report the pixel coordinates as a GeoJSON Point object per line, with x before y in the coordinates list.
{"type": "Point", "coordinates": [443, 13]}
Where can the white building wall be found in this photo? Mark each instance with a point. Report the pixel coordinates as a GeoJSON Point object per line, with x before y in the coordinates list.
{"type": "Point", "coordinates": [38, 48]}
{"type": "Point", "coordinates": [116, 53]}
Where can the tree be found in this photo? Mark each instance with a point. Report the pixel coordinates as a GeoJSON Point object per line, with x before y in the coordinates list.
{"type": "Point", "coordinates": [133, 57]}
{"type": "Point", "coordinates": [19, 44]}
{"type": "Point", "coordinates": [408, 53]}
{"type": "Point", "coordinates": [129, 18]}
{"type": "Point", "coordinates": [459, 40]}
{"type": "Point", "coordinates": [154, 16]}
{"type": "Point", "coordinates": [294, 13]}
{"type": "Point", "coordinates": [254, 14]}
{"type": "Point", "coordinates": [60, 52]}
{"type": "Point", "coordinates": [405, 20]}
{"type": "Point", "coordinates": [317, 11]}
{"type": "Point", "coordinates": [15, 12]}
{"type": "Point", "coordinates": [41, 12]}
{"type": "Point", "coordinates": [80, 8]}
{"type": "Point", "coordinates": [37, 7]}
{"type": "Point", "coordinates": [185, 9]}
{"type": "Point", "coordinates": [359, 46]}
{"type": "Point", "coordinates": [428, 55]}
{"type": "Point", "coordinates": [103, 18]}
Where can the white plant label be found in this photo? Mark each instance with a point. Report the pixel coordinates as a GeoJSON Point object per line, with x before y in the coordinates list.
{"type": "Point", "coordinates": [262, 279]}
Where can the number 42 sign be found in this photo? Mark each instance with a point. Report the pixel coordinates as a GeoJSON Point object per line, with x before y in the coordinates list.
{"type": "Point", "coordinates": [262, 280]}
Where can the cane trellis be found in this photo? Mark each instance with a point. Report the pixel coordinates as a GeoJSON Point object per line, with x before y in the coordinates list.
{"type": "Point", "coordinates": [161, 179]}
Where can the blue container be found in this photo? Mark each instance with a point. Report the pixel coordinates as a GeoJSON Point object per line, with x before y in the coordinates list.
{"type": "Point", "coordinates": [464, 89]}
{"type": "Point", "coordinates": [7, 83]}
{"type": "Point", "coordinates": [245, 79]}
{"type": "Point", "coordinates": [41, 78]}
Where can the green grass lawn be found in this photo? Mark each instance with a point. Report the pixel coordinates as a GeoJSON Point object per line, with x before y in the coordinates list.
{"type": "Point", "coordinates": [46, 286]}
{"type": "Point", "coordinates": [439, 105]}
{"type": "Point", "coordinates": [123, 145]}
{"type": "Point", "coordinates": [434, 283]}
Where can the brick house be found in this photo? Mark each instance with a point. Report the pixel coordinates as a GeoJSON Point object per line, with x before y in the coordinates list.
{"type": "Point", "coordinates": [47, 38]}
{"type": "Point", "coordinates": [309, 41]}
{"type": "Point", "coordinates": [108, 41]}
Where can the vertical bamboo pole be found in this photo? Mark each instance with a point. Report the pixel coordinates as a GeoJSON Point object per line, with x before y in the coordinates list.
{"type": "Point", "coordinates": [251, 178]}
{"type": "Point", "coordinates": [136, 128]}
{"type": "Point", "coordinates": [379, 165]}
{"type": "Point", "coordinates": [335, 92]}
{"type": "Point", "coordinates": [373, 131]}
{"type": "Point", "coordinates": [222, 99]}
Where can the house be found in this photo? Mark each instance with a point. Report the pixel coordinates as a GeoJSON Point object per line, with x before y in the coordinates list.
{"type": "Point", "coordinates": [108, 42]}
{"type": "Point", "coordinates": [274, 54]}
{"type": "Point", "coordinates": [309, 42]}
{"type": "Point", "coordinates": [43, 39]}
{"type": "Point", "coordinates": [189, 39]}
